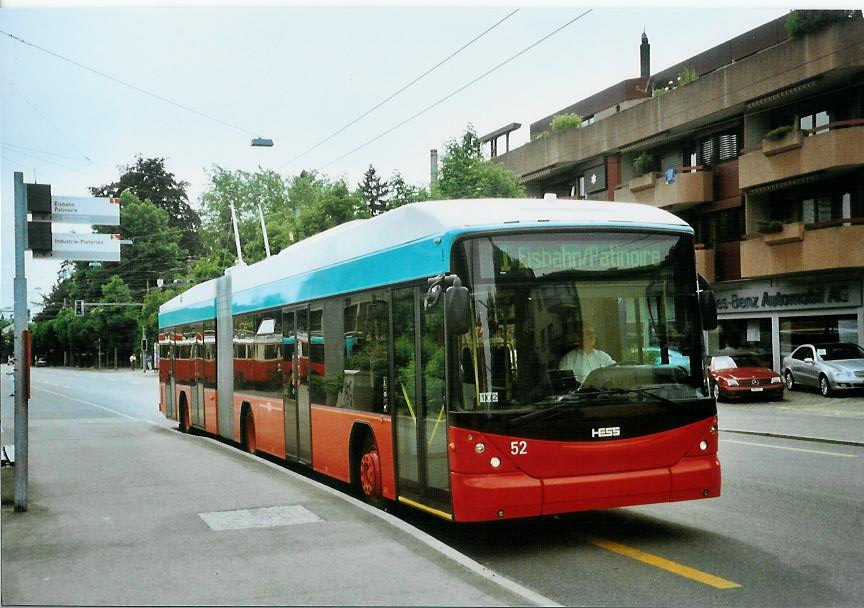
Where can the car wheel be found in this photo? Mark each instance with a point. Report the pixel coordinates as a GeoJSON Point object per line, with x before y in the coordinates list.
{"type": "Point", "coordinates": [716, 392]}
{"type": "Point", "coordinates": [790, 381]}
{"type": "Point", "coordinates": [824, 386]}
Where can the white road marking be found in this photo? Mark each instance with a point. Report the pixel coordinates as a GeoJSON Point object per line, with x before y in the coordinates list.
{"type": "Point", "coordinates": [780, 447]}
{"type": "Point", "coordinates": [267, 517]}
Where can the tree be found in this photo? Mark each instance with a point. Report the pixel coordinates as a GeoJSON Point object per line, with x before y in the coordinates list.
{"type": "Point", "coordinates": [246, 191]}
{"type": "Point", "coordinates": [403, 193]}
{"type": "Point", "coordinates": [333, 205]}
{"type": "Point", "coordinates": [374, 192]}
{"type": "Point", "coordinates": [148, 179]}
{"type": "Point", "coordinates": [466, 174]}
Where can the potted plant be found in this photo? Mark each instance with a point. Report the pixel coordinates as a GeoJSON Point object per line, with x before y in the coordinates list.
{"type": "Point", "coordinates": [781, 139]}
{"type": "Point", "coordinates": [644, 166]}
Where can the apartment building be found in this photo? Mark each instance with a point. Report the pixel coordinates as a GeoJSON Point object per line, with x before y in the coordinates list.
{"type": "Point", "coordinates": [763, 154]}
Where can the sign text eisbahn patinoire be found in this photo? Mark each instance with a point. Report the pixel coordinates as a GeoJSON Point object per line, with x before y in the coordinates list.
{"type": "Point", "coordinates": [85, 210]}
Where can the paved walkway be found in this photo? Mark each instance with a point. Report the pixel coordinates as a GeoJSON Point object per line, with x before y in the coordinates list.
{"type": "Point", "coordinates": [125, 510]}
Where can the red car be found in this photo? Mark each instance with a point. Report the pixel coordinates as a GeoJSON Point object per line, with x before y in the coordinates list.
{"type": "Point", "coordinates": [740, 376]}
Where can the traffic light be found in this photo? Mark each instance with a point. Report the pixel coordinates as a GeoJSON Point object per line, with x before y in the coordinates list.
{"type": "Point", "coordinates": [79, 308]}
{"type": "Point", "coordinates": [143, 345]}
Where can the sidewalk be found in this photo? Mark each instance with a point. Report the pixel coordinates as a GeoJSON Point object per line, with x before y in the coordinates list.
{"type": "Point", "coordinates": [802, 414]}
{"type": "Point", "coordinates": [125, 511]}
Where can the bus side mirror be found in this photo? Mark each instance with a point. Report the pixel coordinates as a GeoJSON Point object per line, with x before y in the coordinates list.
{"type": "Point", "coordinates": [457, 308]}
{"type": "Point", "coordinates": [707, 304]}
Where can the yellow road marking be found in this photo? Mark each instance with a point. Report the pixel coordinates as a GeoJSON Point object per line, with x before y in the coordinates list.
{"type": "Point", "coordinates": [781, 447]}
{"type": "Point", "coordinates": [662, 563]}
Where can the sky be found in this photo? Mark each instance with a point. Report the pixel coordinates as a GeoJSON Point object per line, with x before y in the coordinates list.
{"type": "Point", "coordinates": [206, 80]}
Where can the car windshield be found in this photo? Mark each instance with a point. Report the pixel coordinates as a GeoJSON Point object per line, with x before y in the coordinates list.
{"type": "Point", "coordinates": [572, 317]}
{"type": "Point", "coordinates": [837, 352]}
{"type": "Point", "coordinates": [734, 361]}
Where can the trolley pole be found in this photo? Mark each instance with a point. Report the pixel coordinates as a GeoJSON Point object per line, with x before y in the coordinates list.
{"type": "Point", "coordinates": [21, 358]}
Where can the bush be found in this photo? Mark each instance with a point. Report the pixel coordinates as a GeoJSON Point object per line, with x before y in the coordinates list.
{"type": "Point", "coordinates": [562, 122]}
{"type": "Point", "coordinates": [770, 226]}
{"type": "Point", "coordinates": [643, 163]}
{"type": "Point", "coordinates": [686, 76]}
{"type": "Point", "coordinates": [799, 23]}
{"type": "Point", "coordinates": [778, 133]}
{"type": "Point", "coordinates": [540, 135]}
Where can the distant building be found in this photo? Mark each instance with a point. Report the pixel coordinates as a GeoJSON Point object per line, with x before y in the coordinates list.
{"type": "Point", "coordinates": [763, 154]}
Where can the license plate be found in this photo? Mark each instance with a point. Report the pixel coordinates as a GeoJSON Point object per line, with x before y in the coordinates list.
{"type": "Point", "coordinates": [757, 390]}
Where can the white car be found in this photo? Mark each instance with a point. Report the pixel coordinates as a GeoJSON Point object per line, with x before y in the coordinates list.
{"type": "Point", "coordinates": [828, 367]}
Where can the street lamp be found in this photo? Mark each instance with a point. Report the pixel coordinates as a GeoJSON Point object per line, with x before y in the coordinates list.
{"type": "Point", "coordinates": [262, 142]}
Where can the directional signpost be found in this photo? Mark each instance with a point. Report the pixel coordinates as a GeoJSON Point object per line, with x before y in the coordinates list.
{"type": "Point", "coordinates": [38, 236]}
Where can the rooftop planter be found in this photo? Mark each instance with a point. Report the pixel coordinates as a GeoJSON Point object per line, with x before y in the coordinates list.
{"type": "Point", "coordinates": [787, 233]}
{"type": "Point", "coordinates": [642, 182]}
{"type": "Point", "coordinates": [780, 140]}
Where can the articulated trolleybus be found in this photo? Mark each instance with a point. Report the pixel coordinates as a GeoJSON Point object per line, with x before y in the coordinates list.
{"type": "Point", "coordinates": [476, 359]}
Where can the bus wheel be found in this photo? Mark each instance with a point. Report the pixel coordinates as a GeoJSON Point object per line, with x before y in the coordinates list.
{"type": "Point", "coordinates": [249, 433]}
{"type": "Point", "coordinates": [185, 426]}
{"type": "Point", "coordinates": [369, 473]}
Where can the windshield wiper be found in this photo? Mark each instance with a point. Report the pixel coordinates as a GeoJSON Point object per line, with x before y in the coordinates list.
{"type": "Point", "coordinates": [558, 404]}
{"type": "Point", "coordinates": [602, 390]}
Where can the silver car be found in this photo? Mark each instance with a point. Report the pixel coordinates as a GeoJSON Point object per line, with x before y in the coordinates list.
{"type": "Point", "coordinates": [828, 367]}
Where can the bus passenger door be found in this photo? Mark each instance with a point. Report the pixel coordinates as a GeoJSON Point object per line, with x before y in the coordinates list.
{"type": "Point", "coordinates": [295, 387]}
{"type": "Point", "coordinates": [197, 388]}
{"type": "Point", "coordinates": [420, 417]}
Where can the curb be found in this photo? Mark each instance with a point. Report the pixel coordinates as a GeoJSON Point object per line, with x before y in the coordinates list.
{"type": "Point", "coordinates": [859, 444]}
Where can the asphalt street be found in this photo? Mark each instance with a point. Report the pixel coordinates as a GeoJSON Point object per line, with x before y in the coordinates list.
{"type": "Point", "coordinates": [786, 530]}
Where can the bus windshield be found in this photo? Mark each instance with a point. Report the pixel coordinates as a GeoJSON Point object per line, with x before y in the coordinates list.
{"type": "Point", "coordinates": [578, 317]}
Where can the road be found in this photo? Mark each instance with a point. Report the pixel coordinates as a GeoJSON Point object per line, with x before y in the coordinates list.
{"type": "Point", "coordinates": [786, 531]}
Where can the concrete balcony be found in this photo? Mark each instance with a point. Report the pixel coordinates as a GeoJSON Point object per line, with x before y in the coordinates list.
{"type": "Point", "coordinates": [687, 190]}
{"type": "Point", "coordinates": [836, 149]}
{"type": "Point", "coordinates": [820, 248]}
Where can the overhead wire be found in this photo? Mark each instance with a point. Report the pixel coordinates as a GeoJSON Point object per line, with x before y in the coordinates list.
{"type": "Point", "coordinates": [129, 85]}
{"type": "Point", "coordinates": [45, 118]}
{"type": "Point", "coordinates": [459, 90]}
{"type": "Point", "coordinates": [399, 91]}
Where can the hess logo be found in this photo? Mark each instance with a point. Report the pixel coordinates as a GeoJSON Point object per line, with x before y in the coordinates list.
{"type": "Point", "coordinates": [609, 431]}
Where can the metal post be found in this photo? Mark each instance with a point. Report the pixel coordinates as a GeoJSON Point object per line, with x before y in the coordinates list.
{"type": "Point", "coordinates": [21, 362]}
{"type": "Point", "coordinates": [115, 358]}
{"type": "Point", "coordinates": [264, 231]}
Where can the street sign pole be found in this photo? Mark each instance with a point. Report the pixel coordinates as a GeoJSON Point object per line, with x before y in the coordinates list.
{"type": "Point", "coordinates": [21, 362]}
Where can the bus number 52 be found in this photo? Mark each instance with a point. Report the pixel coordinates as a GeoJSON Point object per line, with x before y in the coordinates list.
{"type": "Point", "coordinates": [518, 447]}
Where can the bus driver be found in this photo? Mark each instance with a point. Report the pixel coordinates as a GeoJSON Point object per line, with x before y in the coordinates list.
{"type": "Point", "coordinates": [584, 359]}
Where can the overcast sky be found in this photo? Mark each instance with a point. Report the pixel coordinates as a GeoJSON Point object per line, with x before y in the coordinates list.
{"type": "Point", "coordinates": [297, 74]}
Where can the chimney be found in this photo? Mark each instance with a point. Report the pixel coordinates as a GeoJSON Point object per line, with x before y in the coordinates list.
{"type": "Point", "coordinates": [644, 57]}
{"type": "Point", "coordinates": [433, 166]}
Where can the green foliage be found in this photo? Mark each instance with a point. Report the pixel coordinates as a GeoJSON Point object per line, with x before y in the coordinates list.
{"type": "Point", "coordinates": [770, 226]}
{"type": "Point", "coordinates": [402, 193]}
{"type": "Point", "coordinates": [148, 179]}
{"type": "Point", "coordinates": [562, 122]}
{"type": "Point", "coordinates": [540, 135]}
{"type": "Point", "coordinates": [800, 23]}
{"type": "Point", "coordinates": [466, 174]}
{"type": "Point", "coordinates": [374, 192]}
{"type": "Point", "coordinates": [686, 76]}
{"type": "Point", "coordinates": [659, 91]}
{"type": "Point", "coordinates": [644, 163]}
{"type": "Point", "coordinates": [778, 133]}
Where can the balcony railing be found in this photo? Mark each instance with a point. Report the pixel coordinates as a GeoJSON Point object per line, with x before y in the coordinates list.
{"type": "Point", "coordinates": [830, 146]}
{"type": "Point", "coordinates": [689, 186]}
{"type": "Point", "coordinates": [822, 246]}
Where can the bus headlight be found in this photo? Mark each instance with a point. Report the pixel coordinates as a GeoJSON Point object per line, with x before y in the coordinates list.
{"type": "Point", "coordinates": [495, 462]}
{"type": "Point", "coordinates": [480, 448]}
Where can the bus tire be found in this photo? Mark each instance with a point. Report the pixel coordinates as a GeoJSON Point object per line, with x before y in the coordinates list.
{"type": "Point", "coordinates": [247, 430]}
{"type": "Point", "coordinates": [185, 425]}
{"type": "Point", "coordinates": [369, 472]}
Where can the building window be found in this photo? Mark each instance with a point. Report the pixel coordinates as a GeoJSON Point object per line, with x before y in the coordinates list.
{"type": "Point", "coordinates": [815, 121]}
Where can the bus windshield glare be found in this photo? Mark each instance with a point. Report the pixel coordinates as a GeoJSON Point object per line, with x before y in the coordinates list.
{"type": "Point", "coordinates": [578, 317]}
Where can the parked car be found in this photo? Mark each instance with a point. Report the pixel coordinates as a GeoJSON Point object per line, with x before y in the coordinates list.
{"type": "Point", "coordinates": [41, 362]}
{"type": "Point", "coordinates": [738, 376]}
{"type": "Point", "coordinates": [828, 367]}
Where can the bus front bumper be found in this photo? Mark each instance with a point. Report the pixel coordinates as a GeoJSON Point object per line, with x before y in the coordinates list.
{"type": "Point", "coordinates": [514, 495]}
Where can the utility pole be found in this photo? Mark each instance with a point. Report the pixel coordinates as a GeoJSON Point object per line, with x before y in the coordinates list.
{"type": "Point", "coordinates": [21, 357]}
